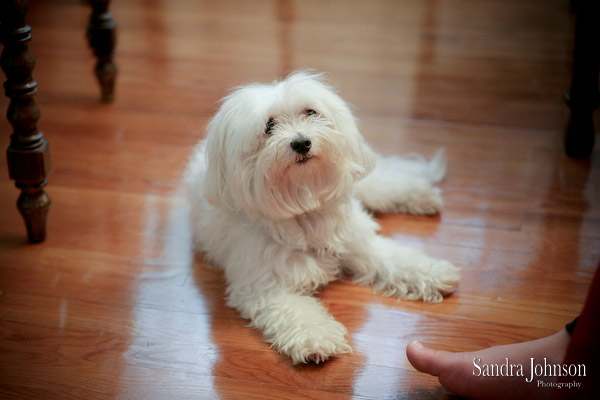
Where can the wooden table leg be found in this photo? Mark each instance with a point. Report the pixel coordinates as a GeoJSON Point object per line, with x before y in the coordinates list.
{"type": "Point", "coordinates": [28, 153]}
{"type": "Point", "coordinates": [583, 97]}
{"type": "Point", "coordinates": [101, 34]}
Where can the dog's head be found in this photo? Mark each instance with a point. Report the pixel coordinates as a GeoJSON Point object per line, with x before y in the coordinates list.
{"type": "Point", "coordinates": [284, 149]}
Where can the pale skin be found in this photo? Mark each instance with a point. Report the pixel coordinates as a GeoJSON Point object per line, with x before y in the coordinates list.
{"type": "Point", "coordinates": [455, 371]}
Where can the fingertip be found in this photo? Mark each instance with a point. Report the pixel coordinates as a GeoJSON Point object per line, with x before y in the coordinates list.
{"type": "Point", "coordinates": [414, 353]}
{"type": "Point", "coordinates": [412, 350]}
{"type": "Point", "coordinates": [422, 358]}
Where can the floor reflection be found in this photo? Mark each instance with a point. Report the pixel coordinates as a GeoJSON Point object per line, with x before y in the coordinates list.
{"type": "Point", "coordinates": [178, 315]}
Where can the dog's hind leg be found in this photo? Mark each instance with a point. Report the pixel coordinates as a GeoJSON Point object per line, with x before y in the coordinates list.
{"type": "Point", "coordinates": [404, 184]}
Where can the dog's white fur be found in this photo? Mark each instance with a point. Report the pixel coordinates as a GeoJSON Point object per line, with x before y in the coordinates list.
{"type": "Point", "coordinates": [281, 224]}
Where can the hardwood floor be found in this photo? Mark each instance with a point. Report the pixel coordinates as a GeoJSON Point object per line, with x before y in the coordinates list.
{"type": "Point", "coordinates": [115, 304]}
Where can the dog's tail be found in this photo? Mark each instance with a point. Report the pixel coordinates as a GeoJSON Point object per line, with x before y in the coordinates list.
{"type": "Point", "coordinates": [404, 184]}
{"type": "Point", "coordinates": [436, 167]}
{"type": "Point", "coordinates": [414, 166]}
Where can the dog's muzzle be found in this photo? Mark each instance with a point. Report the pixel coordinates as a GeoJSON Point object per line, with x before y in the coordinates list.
{"type": "Point", "coordinates": [301, 145]}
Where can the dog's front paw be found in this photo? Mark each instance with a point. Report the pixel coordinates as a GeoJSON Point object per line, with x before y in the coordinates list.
{"type": "Point", "coordinates": [318, 343]}
{"type": "Point", "coordinates": [427, 279]}
{"type": "Point", "coordinates": [441, 280]}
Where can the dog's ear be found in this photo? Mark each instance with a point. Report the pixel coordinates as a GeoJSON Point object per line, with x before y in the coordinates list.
{"type": "Point", "coordinates": [360, 155]}
{"type": "Point", "coordinates": [363, 155]}
{"type": "Point", "coordinates": [216, 185]}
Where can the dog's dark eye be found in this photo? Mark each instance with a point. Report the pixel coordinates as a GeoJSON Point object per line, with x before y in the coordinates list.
{"type": "Point", "coordinates": [310, 111]}
{"type": "Point", "coordinates": [270, 126]}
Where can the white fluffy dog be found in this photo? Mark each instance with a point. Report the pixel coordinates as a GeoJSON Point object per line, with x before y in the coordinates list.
{"type": "Point", "coordinates": [275, 192]}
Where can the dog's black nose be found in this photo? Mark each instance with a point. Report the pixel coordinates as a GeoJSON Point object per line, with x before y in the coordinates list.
{"type": "Point", "coordinates": [301, 145]}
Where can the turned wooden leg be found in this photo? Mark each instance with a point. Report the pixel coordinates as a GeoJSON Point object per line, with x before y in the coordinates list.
{"type": "Point", "coordinates": [102, 38]}
{"type": "Point", "coordinates": [28, 153]}
{"type": "Point", "coordinates": [583, 97]}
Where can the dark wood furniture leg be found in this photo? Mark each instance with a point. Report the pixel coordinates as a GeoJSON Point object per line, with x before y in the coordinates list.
{"type": "Point", "coordinates": [28, 153]}
{"type": "Point", "coordinates": [583, 96]}
{"type": "Point", "coordinates": [102, 38]}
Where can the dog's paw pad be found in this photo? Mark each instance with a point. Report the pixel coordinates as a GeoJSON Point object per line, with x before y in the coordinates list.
{"type": "Point", "coordinates": [443, 280]}
{"type": "Point", "coordinates": [320, 343]}
{"type": "Point", "coordinates": [430, 281]}
{"type": "Point", "coordinates": [323, 351]}
{"type": "Point", "coordinates": [318, 358]}
{"type": "Point", "coordinates": [448, 274]}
